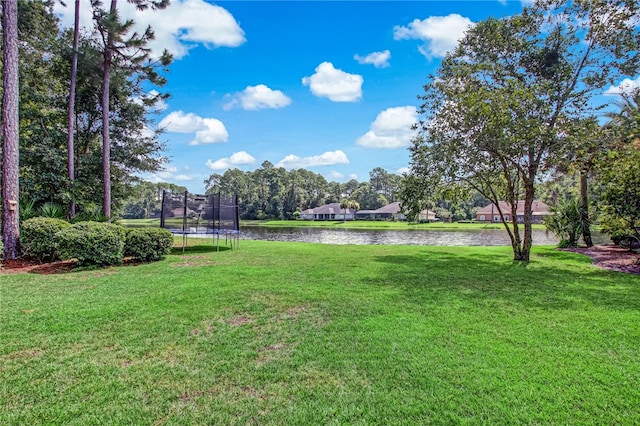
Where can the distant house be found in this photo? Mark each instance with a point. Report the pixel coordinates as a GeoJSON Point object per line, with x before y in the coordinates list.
{"type": "Point", "coordinates": [328, 212]}
{"type": "Point", "coordinates": [392, 211]}
{"type": "Point", "coordinates": [490, 213]}
{"type": "Point", "coordinates": [427, 215]}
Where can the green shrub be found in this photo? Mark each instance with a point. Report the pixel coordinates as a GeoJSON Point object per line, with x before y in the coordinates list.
{"type": "Point", "coordinates": [38, 237]}
{"type": "Point", "coordinates": [624, 238]}
{"type": "Point", "coordinates": [93, 243]}
{"type": "Point", "coordinates": [1, 252]}
{"type": "Point", "coordinates": [148, 244]}
{"type": "Point", "coordinates": [622, 233]}
{"type": "Point", "coordinates": [51, 210]}
{"type": "Point", "coordinates": [89, 213]}
{"type": "Point", "coordinates": [27, 210]}
{"type": "Point", "coordinates": [567, 222]}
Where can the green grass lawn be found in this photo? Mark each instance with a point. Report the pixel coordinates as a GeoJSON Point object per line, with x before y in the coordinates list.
{"type": "Point", "coordinates": [289, 333]}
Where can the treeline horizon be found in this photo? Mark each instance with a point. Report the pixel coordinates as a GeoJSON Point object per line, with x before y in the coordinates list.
{"type": "Point", "coordinates": [271, 192]}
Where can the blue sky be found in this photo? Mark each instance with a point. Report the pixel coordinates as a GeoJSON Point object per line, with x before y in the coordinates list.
{"type": "Point", "coordinates": [330, 86]}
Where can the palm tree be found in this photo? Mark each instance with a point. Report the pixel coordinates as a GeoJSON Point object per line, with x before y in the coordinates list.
{"type": "Point", "coordinates": [348, 204]}
{"type": "Point", "coordinates": [625, 124]}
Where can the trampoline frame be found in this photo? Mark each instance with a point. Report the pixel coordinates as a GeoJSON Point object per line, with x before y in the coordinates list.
{"type": "Point", "coordinates": [224, 217]}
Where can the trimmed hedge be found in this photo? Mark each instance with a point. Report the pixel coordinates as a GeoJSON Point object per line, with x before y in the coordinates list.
{"type": "Point", "coordinates": [38, 237]}
{"type": "Point", "coordinates": [93, 243]}
{"type": "Point", "coordinates": [148, 244]}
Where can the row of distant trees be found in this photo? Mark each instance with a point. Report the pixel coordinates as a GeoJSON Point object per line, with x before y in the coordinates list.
{"type": "Point", "coordinates": [83, 104]}
{"type": "Point", "coordinates": [271, 192]}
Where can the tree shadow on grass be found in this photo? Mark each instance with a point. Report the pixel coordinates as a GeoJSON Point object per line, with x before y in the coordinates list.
{"type": "Point", "coordinates": [566, 281]}
{"type": "Point", "coordinates": [199, 249]}
{"type": "Point", "coordinates": [566, 256]}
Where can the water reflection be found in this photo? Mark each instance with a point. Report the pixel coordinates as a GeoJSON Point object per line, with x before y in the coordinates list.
{"type": "Point", "coordinates": [481, 237]}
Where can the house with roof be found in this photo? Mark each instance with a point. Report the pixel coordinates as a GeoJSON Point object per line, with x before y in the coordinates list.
{"type": "Point", "coordinates": [328, 212]}
{"type": "Point", "coordinates": [427, 215]}
{"type": "Point", "coordinates": [392, 211]}
{"type": "Point", "coordinates": [389, 212]}
{"type": "Point", "coordinates": [490, 213]}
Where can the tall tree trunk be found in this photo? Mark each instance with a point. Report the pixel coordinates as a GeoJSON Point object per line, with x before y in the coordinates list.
{"type": "Point", "coordinates": [72, 102]}
{"type": "Point", "coordinates": [584, 211]}
{"type": "Point", "coordinates": [106, 140]}
{"type": "Point", "coordinates": [527, 240]}
{"type": "Point", "coordinates": [10, 132]}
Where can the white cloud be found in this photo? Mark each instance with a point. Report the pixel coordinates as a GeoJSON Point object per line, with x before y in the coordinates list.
{"type": "Point", "coordinates": [327, 159]}
{"type": "Point", "coordinates": [403, 170]}
{"type": "Point", "coordinates": [207, 130]}
{"type": "Point", "coordinates": [258, 97]}
{"type": "Point", "coordinates": [159, 104]}
{"type": "Point", "coordinates": [377, 59]}
{"type": "Point", "coordinates": [146, 132]}
{"type": "Point", "coordinates": [439, 33]}
{"type": "Point", "coordinates": [167, 172]}
{"type": "Point", "coordinates": [335, 175]}
{"type": "Point", "coordinates": [391, 129]}
{"type": "Point", "coordinates": [334, 84]}
{"type": "Point", "coordinates": [153, 178]}
{"type": "Point", "coordinates": [183, 178]}
{"type": "Point", "coordinates": [236, 159]}
{"type": "Point", "coordinates": [163, 175]}
{"type": "Point", "coordinates": [627, 86]}
{"type": "Point", "coordinates": [179, 27]}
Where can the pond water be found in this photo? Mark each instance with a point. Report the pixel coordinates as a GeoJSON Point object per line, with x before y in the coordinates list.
{"type": "Point", "coordinates": [480, 237]}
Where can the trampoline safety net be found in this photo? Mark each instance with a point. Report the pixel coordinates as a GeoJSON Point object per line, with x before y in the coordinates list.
{"type": "Point", "coordinates": [186, 213]}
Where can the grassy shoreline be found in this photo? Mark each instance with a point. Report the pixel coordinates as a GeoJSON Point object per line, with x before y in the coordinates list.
{"type": "Point", "coordinates": [298, 333]}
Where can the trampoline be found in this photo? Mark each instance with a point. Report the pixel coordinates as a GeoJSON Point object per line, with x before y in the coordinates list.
{"type": "Point", "coordinates": [194, 214]}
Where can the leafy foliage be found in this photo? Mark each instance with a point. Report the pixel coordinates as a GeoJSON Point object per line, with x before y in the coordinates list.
{"type": "Point", "coordinates": [93, 243]}
{"type": "Point", "coordinates": [618, 172]}
{"type": "Point", "coordinates": [508, 102]}
{"type": "Point", "coordinates": [45, 54]}
{"type": "Point", "coordinates": [145, 199]}
{"type": "Point", "coordinates": [90, 213]}
{"type": "Point", "coordinates": [27, 209]}
{"type": "Point", "coordinates": [148, 244]}
{"type": "Point", "coordinates": [275, 193]}
{"type": "Point", "coordinates": [567, 222]}
{"type": "Point", "coordinates": [620, 194]}
{"type": "Point", "coordinates": [126, 57]}
{"type": "Point", "coordinates": [39, 237]}
{"type": "Point", "coordinates": [347, 204]}
{"type": "Point", "coordinates": [51, 210]}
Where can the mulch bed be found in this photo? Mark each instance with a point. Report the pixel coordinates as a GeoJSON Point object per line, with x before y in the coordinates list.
{"type": "Point", "coordinates": [612, 257]}
{"type": "Point", "coordinates": [27, 265]}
